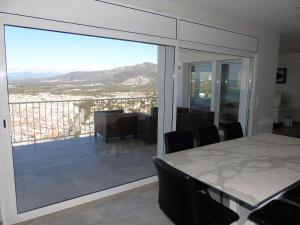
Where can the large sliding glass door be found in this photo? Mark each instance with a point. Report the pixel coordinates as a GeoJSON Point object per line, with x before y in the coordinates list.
{"type": "Point", "coordinates": [212, 89]}
{"type": "Point", "coordinates": [84, 112]}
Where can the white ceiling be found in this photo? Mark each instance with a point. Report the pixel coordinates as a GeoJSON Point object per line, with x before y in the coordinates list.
{"type": "Point", "coordinates": [279, 15]}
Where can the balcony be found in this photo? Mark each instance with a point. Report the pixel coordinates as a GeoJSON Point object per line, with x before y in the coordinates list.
{"type": "Point", "coordinates": [57, 157]}
{"type": "Point", "coordinates": [34, 122]}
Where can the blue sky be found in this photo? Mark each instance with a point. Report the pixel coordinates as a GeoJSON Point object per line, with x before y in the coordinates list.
{"type": "Point", "coordinates": [44, 51]}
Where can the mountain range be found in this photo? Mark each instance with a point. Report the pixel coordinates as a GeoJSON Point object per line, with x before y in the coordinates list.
{"type": "Point", "coordinates": [140, 74]}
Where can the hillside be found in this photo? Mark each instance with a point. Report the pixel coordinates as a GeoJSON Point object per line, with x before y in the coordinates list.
{"type": "Point", "coordinates": [140, 78]}
{"type": "Point", "coordinates": [121, 75]}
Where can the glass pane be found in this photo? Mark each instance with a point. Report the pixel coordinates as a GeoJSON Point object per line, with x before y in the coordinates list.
{"type": "Point", "coordinates": [84, 113]}
{"type": "Point", "coordinates": [212, 89]}
{"type": "Point", "coordinates": [230, 92]}
{"type": "Point", "coordinates": [201, 78]}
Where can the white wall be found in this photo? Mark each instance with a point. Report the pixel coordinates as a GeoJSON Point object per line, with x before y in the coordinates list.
{"type": "Point", "coordinates": [292, 86]}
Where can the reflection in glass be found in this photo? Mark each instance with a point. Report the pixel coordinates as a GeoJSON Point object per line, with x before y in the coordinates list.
{"type": "Point", "coordinates": [230, 92]}
{"type": "Point", "coordinates": [201, 78]}
{"type": "Point", "coordinates": [212, 89]}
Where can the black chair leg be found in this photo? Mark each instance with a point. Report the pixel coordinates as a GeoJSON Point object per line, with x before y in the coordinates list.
{"type": "Point", "coordinates": [221, 198]}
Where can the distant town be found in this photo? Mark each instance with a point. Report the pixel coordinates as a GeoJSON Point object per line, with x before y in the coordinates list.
{"type": "Point", "coordinates": [57, 106]}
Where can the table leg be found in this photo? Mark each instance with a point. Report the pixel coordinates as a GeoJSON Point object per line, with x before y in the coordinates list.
{"type": "Point", "coordinates": [222, 198]}
{"type": "Point", "coordinates": [241, 211]}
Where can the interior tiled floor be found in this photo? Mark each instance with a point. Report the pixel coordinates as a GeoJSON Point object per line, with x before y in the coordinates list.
{"type": "Point", "coordinates": [137, 207]}
{"type": "Point", "coordinates": [52, 172]}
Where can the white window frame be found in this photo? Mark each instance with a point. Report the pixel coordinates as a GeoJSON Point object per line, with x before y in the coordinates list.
{"type": "Point", "coordinates": [215, 102]}
{"type": "Point", "coordinates": [8, 194]}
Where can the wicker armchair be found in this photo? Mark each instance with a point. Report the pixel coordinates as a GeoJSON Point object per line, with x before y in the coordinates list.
{"type": "Point", "coordinates": [105, 123]}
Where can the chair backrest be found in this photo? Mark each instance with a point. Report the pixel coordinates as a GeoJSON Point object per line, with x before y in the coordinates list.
{"type": "Point", "coordinates": [194, 120]}
{"type": "Point", "coordinates": [154, 111]}
{"type": "Point", "coordinates": [176, 196]}
{"type": "Point", "coordinates": [208, 135]}
{"type": "Point", "coordinates": [293, 194]}
{"type": "Point", "coordinates": [232, 131]}
{"type": "Point", "coordinates": [178, 140]}
{"type": "Point", "coordinates": [182, 110]}
{"type": "Point", "coordinates": [276, 212]}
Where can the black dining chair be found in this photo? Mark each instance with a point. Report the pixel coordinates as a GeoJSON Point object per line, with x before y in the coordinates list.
{"type": "Point", "coordinates": [178, 140]}
{"type": "Point", "coordinates": [276, 212]}
{"type": "Point", "coordinates": [293, 194]}
{"type": "Point", "coordinates": [208, 136]}
{"type": "Point", "coordinates": [232, 131]}
{"type": "Point", "coordinates": [183, 204]}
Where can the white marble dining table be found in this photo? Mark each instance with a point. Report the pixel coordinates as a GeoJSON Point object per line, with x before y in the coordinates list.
{"type": "Point", "coordinates": [250, 170]}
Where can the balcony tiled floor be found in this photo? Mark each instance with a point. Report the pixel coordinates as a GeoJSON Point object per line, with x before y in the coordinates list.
{"type": "Point", "coordinates": [55, 171]}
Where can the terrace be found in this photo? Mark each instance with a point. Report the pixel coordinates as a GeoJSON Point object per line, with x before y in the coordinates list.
{"type": "Point", "coordinates": [57, 157]}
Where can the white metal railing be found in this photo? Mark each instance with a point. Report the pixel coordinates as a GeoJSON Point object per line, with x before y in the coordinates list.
{"type": "Point", "coordinates": [42, 120]}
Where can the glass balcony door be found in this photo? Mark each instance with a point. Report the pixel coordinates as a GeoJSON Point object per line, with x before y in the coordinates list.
{"type": "Point", "coordinates": [212, 89]}
{"type": "Point", "coordinates": [234, 79]}
{"type": "Point", "coordinates": [200, 86]}
{"type": "Point", "coordinates": [230, 92]}
{"type": "Point", "coordinates": [83, 123]}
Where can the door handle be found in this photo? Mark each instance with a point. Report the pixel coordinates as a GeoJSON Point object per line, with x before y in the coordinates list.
{"type": "Point", "coordinates": [6, 126]}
